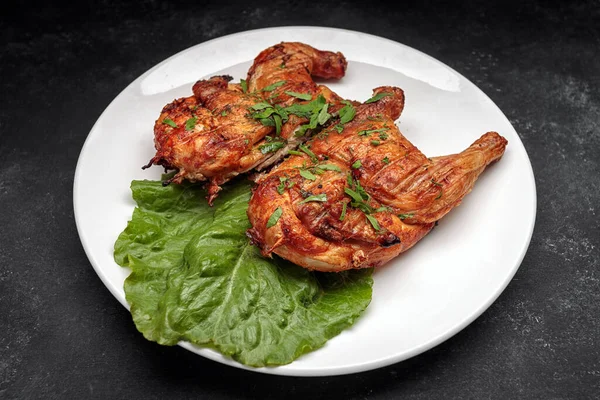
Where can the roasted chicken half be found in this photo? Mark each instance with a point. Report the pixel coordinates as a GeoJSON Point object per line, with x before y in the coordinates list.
{"type": "Point", "coordinates": [215, 134]}
{"type": "Point", "coordinates": [359, 193]}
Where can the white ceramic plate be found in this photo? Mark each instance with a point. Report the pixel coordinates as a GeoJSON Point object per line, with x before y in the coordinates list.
{"type": "Point", "coordinates": [419, 299]}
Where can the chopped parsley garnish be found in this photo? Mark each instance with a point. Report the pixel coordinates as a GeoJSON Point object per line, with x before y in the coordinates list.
{"type": "Point", "coordinates": [281, 186]}
{"type": "Point", "coordinates": [404, 216]}
{"type": "Point", "coordinates": [329, 167]}
{"type": "Point", "coordinates": [339, 128]}
{"type": "Point", "coordinates": [273, 86]}
{"type": "Point", "coordinates": [349, 179]}
{"type": "Point", "coordinates": [224, 113]}
{"type": "Point", "coordinates": [295, 152]}
{"type": "Point", "coordinates": [385, 160]}
{"type": "Point", "coordinates": [323, 115]}
{"type": "Point", "coordinates": [360, 200]}
{"type": "Point", "coordinates": [312, 155]}
{"type": "Point", "coordinates": [377, 97]}
{"type": "Point", "coordinates": [170, 122]}
{"type": "Point", "coordinates": [368, 132]}
{"type": "Point", "coordinates": [441, 188]}
{"type": "Point", "coordinates": [190, 124]}
{"type": "Point", "coordinates": [315, 111]}
{"type": "Point", "coordinates": [306, 174]}
{"type": "Point", "coordinates": [274, 217]}
{"type": "Point", "coordinates": [347, 113]}
{"type": "Point", "coordinates": [244, 85]}
{"type": "Point", "coordinates": [373, 222]}
{"type": "Point", "coordinates": [271, 146]}
{"type": "Point", "coordinates": [317, 197]}
{"type": "Point", "coordinates": [355, 195]}
{"type": "Point", "coordinates": [261, 106]}
{"type": "Point", "coordinates": [383, 136]}
{"type": "Point", "coordinates": [278, 122]}
{"type": "Point", "coordinates": [375, 142]}
{"type": "Point", "coordinates": [301, 96]}
{"type": "Point", "coordinates": [378, 117]}
{"type": "Point", "coordinates": [357, 164]}
{"type": "Point", "coordinates": [343, 214]}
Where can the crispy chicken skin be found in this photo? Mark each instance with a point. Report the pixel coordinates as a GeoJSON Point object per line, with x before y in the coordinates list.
{"type": "Point", "coordinates": [211, 136]}
{"type": "Point", "coordinates": [320, 228]}
{"type": "Point", "coordinates": [208, 136]}
{"type": "Point", "coordinates": [293, 64]}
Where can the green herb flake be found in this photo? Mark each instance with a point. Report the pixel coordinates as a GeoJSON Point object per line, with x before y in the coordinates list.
{"type": "Point", "coordinates": [273, 86]}
{"type": "Point", "coordinates": [373, 222]}
{"type": "Point", "coordinates": [354, 195]}
{"type": "Point", "coordinates": [368, 132]}
{"type": "Point", "coordinates": [357, 164]}
{"type": "Point", "coordinates": [301, 96]}
{"type": "Point", "coordinates": [317, 197]}
{"type": "Point", "coordinates": [224, 113]}
{"type": "Point", "coordinates": [339, 128]}
{"type": "Point", "coordinates": [323, 115]}
{"type": "Point", "coordinates": [405, 216]}
{"type": "Point", "coordinates": [385, 160]}
{"type": "Point", "coordinates": [441, 188]}
{"type": "Point", "coordinates": [271, 146]}
{"type": "Point", "coordinates": [312, 155]}
{"type": "Point", "coordinates": [261, 106]}
{"type": "Point", "coordinates": [347, 113]}
{"type": "Point", "coordinates": [295, 153]}
{"type": "Point", "coordinates": [349, 178]}
{"type": "Point", "coordinates": [343, 214]}
{"type": "Point", "coordinates": [274, 217]}
{"type": "Point", "coordinates": [278, 122]}
{"type": "Point", "coordinates": [281, 186]}
{"type": "Point", "coordinates": [170, 122]}
{"type": "Point", "coordinates": [244, 85]}
{"type": "Point", "coordinates": [329, 167]}
{"type": "Point", "coordinates": [378, 97]}
{"type": "Point", "coordinates": [190, 124]}
{"type": "Point", "coordinates": [306, 174]}
{"type": "Point", "coordinates": [375, 142]}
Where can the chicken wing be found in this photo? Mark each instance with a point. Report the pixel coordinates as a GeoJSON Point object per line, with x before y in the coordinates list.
{"type": "Point", "coordinates": [360, 193]}
{"type": "Point", "coordinates": [213, 137]}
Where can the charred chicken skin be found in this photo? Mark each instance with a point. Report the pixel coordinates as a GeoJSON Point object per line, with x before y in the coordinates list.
{"type": "Point", "coordinates": [360, 193]}
{"type": "Point", "coordinates": [213, 137]}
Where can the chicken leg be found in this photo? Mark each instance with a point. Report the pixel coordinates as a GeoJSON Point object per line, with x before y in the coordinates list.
{"type": "Point", "coordinates": [361, 193]}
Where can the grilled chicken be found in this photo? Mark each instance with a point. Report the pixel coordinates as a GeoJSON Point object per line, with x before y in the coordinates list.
{"type": "Point", "coordinates": [212, 136]}
{"type": "Point", "coordinates": [361, 193]}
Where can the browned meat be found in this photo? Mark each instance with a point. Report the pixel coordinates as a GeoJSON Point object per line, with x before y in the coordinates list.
{"type": "Point", "coordinates": [213, 136]}
{"type": "Point", "coordinates": [361, 193]}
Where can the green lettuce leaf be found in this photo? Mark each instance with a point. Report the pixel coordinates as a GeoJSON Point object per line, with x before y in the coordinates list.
{"type": "Point", "coordinates": [195, 277]}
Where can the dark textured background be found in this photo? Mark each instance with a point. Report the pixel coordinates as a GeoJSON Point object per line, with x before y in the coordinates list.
{"type": "Point", "coordinates": [63, 335]}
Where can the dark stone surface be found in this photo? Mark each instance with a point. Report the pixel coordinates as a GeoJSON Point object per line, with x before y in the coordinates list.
{"type": "Point", "coordinates": [65, 336]}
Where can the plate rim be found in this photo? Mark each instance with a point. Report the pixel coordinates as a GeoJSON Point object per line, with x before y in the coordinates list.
{"type": "Point", "coordinates": [321, 371]}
